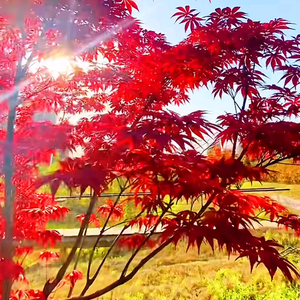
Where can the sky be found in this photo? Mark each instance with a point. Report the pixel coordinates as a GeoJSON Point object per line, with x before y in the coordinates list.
{"type": "Point", "coordinates": [156, 15]}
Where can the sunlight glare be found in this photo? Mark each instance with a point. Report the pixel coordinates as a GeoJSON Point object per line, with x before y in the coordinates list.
{"type": "Point", "coordinates": [65, 66]}
{"type": "Point", "coordinates": [57, 66]}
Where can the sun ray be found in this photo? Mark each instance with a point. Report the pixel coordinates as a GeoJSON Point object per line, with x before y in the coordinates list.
{"type": "Point", "coordinates": [57, 66]}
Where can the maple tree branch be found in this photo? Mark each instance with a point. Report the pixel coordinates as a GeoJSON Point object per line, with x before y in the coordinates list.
{"type": "Point", "coordinates": [234, 145]}
{"type": "Point", "coordinates": [8, 209]}
{"type": "Point", "coordinates": [245, 98]}
{"type": "Point", "coordinates": [41, 90]}
{"type": "Point", "coordinates": [126, 278]}
{"type": "Point", "coordinates": [149, 102]}
{"type": "Point", "coordinates": [50, 285]}
{"type": "Point", "coordinates": [118, 224]}
{"type": "Point", "coordinates": [210, 145]}
{"type": "Point", "coordinates": [270, 161]}
{"type": "Point", "coordinates": [207, 204]}
{"type": "Point", "coordinates": [90, 281]}
{"type": "Point", "coordinates": [103, 229]}
{"type": "Point", "coordinates": [276, 161]}
{"type": "Point", "coordinates": [263, 160]}
{"type": "Point", "coordinates": [193, 201]}
{"type": "Point", "coordinates": [125, 269]}
{"type": "Point", "coordinates": [236, 105]}
{"type": "Point", "coordinates": [244, 151]}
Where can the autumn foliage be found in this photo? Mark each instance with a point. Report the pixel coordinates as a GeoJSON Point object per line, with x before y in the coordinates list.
{"type": "Point", "coordinates": [134, 139]}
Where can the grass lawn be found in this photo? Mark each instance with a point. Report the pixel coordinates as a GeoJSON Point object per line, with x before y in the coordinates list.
{"type": "Point", "coordinates": [175, 274]}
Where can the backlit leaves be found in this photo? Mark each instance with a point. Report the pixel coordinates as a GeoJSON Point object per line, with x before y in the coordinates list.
{"type": "Point", "coordinates": [135, 241]}
{"type": "Point", "coordinates": [128, 4]}
{"type": "Point", "coordinates": [10, 270]}
{"type": "Point", "coordinates": [93, 220]}
{"type": "Point", "coordinates": [77, 174]}
{"type": "Point", "coordinates": [188, 16]}
{"type": "Point", "coordinates": [112, 209]}
{"type": "Point", "coordinates": [265, 252]}
{"type": "Point", "coordinates": [48, 237]}
{"type": "Point", "coordinates": [227, 16]}
{"type": "Point", "coordinates": [73, 277]}
{"type": "Point", "coordinates": [48, 256]}
{"type": "Point", "coordinates": [138, 139]}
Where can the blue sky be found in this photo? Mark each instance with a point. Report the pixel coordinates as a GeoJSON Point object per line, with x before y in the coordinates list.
{"type": "Point", "coordinates": [155, 15]}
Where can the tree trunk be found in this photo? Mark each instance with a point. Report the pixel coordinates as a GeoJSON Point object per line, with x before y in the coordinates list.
{"type": "Point", "coordinates": [7, 249]}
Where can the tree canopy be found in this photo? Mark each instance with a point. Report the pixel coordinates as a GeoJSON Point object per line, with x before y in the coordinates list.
{"type": "Point", "coordinates": [127, 77]}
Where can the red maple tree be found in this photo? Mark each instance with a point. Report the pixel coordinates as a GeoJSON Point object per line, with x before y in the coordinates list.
{"type": "Point", "coordinates": [133, 139]}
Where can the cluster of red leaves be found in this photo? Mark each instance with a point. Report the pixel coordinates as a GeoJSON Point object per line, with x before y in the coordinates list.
{"type": "Point", "coordinates": [70, 278]}
{"type": "Point", "coordinates": [145, 223]}
{"type": "Point", "coordinates": [47, 237]}
{"type": "Point", "coordinates": [22, 24]}
{"type": "Point", "coordinates": [10, 270]}
{"type": "Point", "coordinates": [75, 173]}
{"type": "Point", "coordinates": [111, 210]}
{"type": "Point", "coordinates": [136, 241]}
{"type": "Point", "coordinates": [73, 277]}
{"type": "Point", "coordinates": [56, 212]}
{"type": "Point", "coordinates": [33, 212]}
{"type": "Point", "coordinates": [232, 171]}
{"type": "Point", "coordinates": [248, 205]}
{"type": "Point", "coordinates": [189, 17]}
{"type": "Point", "coordinates": [264, 252]}
{"type": "Point", "coordinates": [27, 294]}
{"type": "Point", "coordinates": [262, 139]}
{"type": "Point", "coordinates": [93, 219]}
{"type": "Point", "coordinates": [128, 4]}
{"type": "Point", "coordinates": [229, 228]}
{"type": "Point", "coordinates": [138, 138]}
{"type": "Point", "coordinates": [48, 256]}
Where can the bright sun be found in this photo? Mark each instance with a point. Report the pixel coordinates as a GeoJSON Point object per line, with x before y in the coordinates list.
{"type": "Point", "coordinates": [57, 66]}
{"type": "Point", "coordinates": [63, 66]}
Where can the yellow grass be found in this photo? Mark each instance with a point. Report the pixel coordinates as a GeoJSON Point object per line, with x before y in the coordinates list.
{"type": "Point", "coordinates": [172, 274]}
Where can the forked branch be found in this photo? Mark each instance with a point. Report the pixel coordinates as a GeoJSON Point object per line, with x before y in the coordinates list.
{"type": "Point", "coordinates": [126, 278]}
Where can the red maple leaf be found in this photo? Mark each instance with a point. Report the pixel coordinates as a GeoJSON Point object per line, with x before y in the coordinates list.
{"type": "Point", "coordinates": [128, 4]}
{"type": "Point", "coordinates": [188, 16]}
{"type": "Point", "coordinates": [73, 277]}
{"type": "Point", "coordinates": [48, 256]}
{"type": "Point", "coordinates": [93, 219]}
{"type": "Point", "coordinates": [115, 211]}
